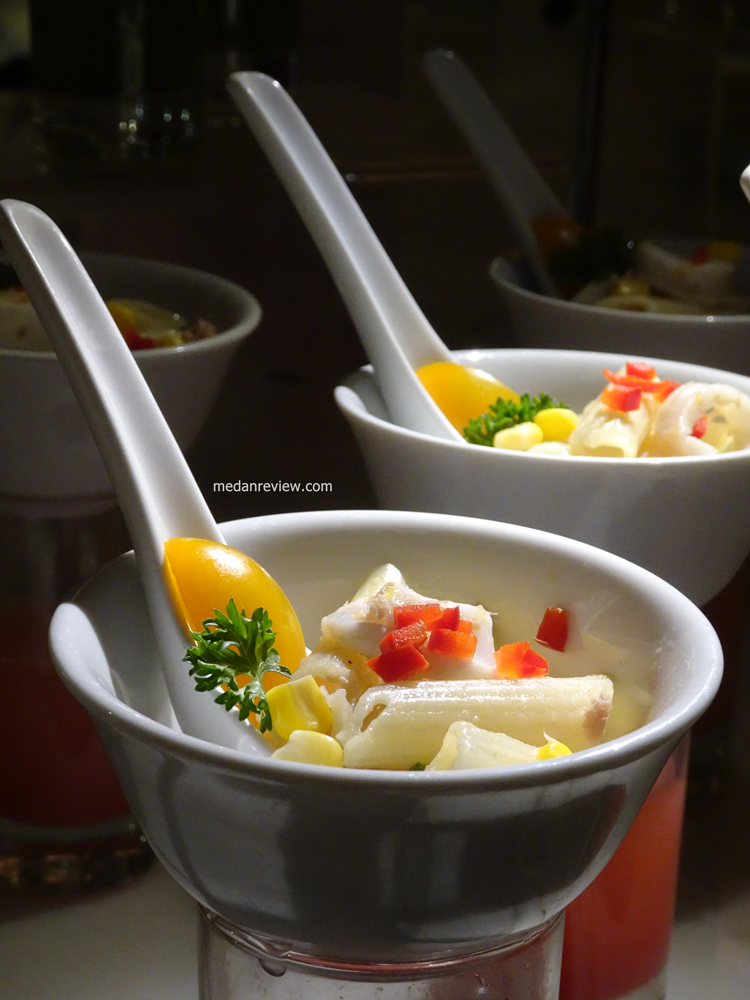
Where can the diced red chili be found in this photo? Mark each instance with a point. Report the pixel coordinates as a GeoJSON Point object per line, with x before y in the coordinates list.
{"type": "Point", "coordinates": [631, 381]}
{"type": "Point", "coordinates": [700, 255]}
{"type": "Point", "coordinates": [135, 341]}
{"type": "Point", "coordinates": [449, 619]}
{"type": "Point", "coordinates": [553, 630]}
{"type": "Point", "coordinates": [518, 660]}
{"type": "Point", "coordinates": [432, 615]}
{"type": "Point", "coordinates": [620, 397]}
{"type": "Point", "coordinates": [398, 664]}
{"type": "Point", "coordinates": [464, 627]}
{"type": "Point", "coordinates": [700, 426]}
{"type": "Point", "coordinates": [665, 388]}
{"type": "Point", "coordinates": [641, 369]}
{"type": "Point", "coordinates": [405, 614]}
{"type": "Point", "coordinates": [451, 643]}
{"type": "Point", "coordinates": [410, 635]}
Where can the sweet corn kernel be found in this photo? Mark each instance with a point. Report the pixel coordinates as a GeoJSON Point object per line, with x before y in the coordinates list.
{"type": "Point", "coordinates": [519, 438]}
{"type": "Point", "coordinates": [557, 423]}
{"type": "Point", "coordinates": [299, 704]}
{"type": "Point", "coordinates": [307, 747]}
{"type": "Point", "coordinates": [122, 315]}
{"type": "Point", "coordinates": [726, 250]}
{"type": "Point", "coordinates": [552, 749]}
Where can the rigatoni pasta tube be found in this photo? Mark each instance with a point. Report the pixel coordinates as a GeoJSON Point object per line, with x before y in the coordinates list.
{"type": "Point", "coordinates": [396, 726]}
{"type": "Point", "coordinates": [609, 433]}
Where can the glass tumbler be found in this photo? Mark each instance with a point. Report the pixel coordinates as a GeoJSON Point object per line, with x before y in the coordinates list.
{"type": "Point", "coordinates": [234, 966]}
{"type": "Point", "coordinates": [64, 821]}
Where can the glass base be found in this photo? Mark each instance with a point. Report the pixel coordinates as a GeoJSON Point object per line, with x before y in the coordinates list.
{"type": "Point", "coordinates": [72, 859]}
{"type": "Point", "coordinates": [233, 965]}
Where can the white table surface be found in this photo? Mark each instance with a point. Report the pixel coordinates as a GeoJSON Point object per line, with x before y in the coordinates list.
{"type": "Point", "coordinates": [138, 943]}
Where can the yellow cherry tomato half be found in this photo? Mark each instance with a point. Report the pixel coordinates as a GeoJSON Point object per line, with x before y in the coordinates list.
{"type": "Point", "coordinates": [556, 231]}
{"type": "Point", "coordinates": [204, 575]}
{"type": "Point", "coordinates": [461, 392]}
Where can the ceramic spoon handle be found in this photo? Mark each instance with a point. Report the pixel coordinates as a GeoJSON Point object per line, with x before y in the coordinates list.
{"type": "Point", "coordinates": [156, 490]}
{"type": "Point", "coordinates": [394, 331]}
{"type": "Point", "coordinates": [519, 186]}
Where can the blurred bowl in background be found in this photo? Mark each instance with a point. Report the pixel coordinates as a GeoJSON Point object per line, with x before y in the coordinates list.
{"type": "Point", "coordinates": [535, 320]}
{"type": "Point", "coordinates": [46, 448]}
{"type": "Point", "coordinates": [685, 519]}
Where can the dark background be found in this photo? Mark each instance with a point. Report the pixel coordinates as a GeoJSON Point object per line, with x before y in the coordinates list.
{"type": "Point", "coordinates": [675, 134]}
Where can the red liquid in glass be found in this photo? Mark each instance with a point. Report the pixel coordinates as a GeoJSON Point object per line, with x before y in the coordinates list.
{"type": "Point", "coordinates": [617, 932]}
{"type": "Point", "coordinates": [53, 768]}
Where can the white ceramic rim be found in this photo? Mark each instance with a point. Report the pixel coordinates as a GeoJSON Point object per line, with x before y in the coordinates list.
{"type": "Point", "coordinates": [615, 315]}
{"type": "Point", "coordinates": [474, 357]}
{"type": "Point", "coordinates": [647, 738]}
{"type": "Point", "coordinates": [251, 306]}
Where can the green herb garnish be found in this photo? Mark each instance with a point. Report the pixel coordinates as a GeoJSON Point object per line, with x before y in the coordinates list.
{"type": "Point", "coordinates": [418, 767]}
{"type": "Point", "coordinates": [504, 413]}
{"type": "Point", "coordinates": [231, 646]}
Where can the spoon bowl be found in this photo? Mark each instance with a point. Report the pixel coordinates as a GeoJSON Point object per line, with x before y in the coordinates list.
{"type": "Point", "coordinates": [155, 488]}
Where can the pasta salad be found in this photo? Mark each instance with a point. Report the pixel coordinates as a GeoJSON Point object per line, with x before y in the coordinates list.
{"type": "Point", "coordinates": [399, 681]}
{"type": "Point", "coordinates": [637, 415]}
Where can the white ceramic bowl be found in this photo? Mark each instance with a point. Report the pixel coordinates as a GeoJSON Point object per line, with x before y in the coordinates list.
{"type": "Point", "coordinates": [540, 321]}
{"type": "Point", "coordinates": [686, 519]}
{"type": "Point", "coordinates": [46, 448]}
{"type": "Point", "coordinates": [390, 866]}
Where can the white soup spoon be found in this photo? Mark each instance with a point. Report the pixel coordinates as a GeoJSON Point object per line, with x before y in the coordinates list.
{"type": "Point", "coordinates": [395, 333]}
{"type": "Point", "coordinates": [155, 488]}
{"type": "Point", "coordinates": [519, 186]}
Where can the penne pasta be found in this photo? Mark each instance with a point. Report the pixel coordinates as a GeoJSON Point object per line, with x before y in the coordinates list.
{"type": "Point", "coordinates": [397, 726]}
{"type": "Point", "coordinates": [609, 433]}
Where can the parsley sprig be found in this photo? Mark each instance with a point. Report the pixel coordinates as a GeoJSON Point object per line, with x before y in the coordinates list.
{"type": "Point", "coordinates": [504, 413]}
{"type": "Point", "coordinates": [233, 646]}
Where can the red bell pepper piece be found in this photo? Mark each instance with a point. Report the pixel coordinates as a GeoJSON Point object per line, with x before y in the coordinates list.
{"type": "Point", "coordinates": [410, 635]}
{"type": "Point", "coordinates": [620, 397]}
{"type": "Point", "coordinates": [641, 369]}
{"type": "Point", "coordinates": [432, 615]}
{"type": "Point", "coordinates": [518, 660]}
{"type": "Point", "coordinates": [464, 627]}
{"type": "Point", "coordinates": [451, 643]}
{"type": "Point", "coordinates": [449, 619]}
{"type": "Point", "coordinates": [135, 341]}
{"type": "Point", "coordinates": [665, 388]}
{"type": "Point", "coordinates": [700, 255]}
{"type": "Point", "coordinates": [405, 614]}
{"type": "Point", "coordinates": [631, 381]}
{"type": "Point", "coordinates": [398, 664]}
{"type": "Point", "coordinates": [553, 630]}
{"type": "Point", "coordinates": [700, 426]}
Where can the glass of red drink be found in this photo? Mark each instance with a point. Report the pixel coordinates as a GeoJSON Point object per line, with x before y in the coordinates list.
{"type": "Point", "coordinates": [64, 821]}
{"type": "Point", "coordinates": [617, 932]}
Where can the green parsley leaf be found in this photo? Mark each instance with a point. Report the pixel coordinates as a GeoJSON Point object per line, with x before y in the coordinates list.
{"type": "Point", "coordinates": [232, 645]}
{"type": "Point", "coordinates": [504, 413]}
